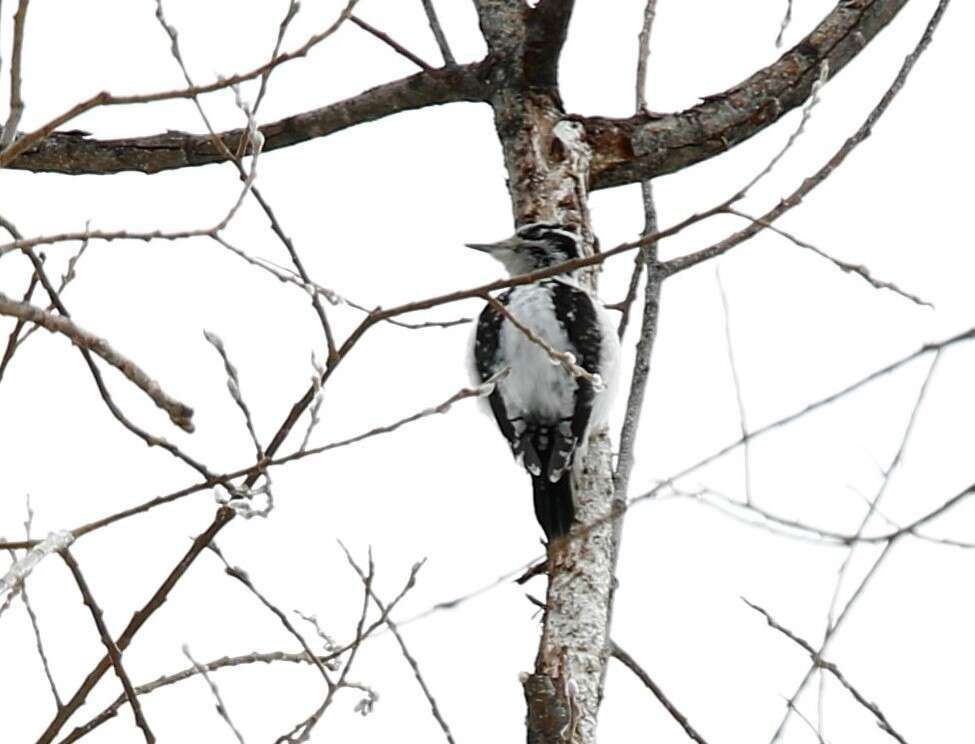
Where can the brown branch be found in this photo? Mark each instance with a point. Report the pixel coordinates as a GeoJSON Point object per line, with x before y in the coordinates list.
{"type": "Point", "coordinates": [240, 575]}
{"type": "Point", "coordinates": [625, 150]}
{"type": "Point", "coordinates": [438, 34]}
{"type": "Point", "coordinates": [289, 15]}
{"type": "Point", "coordinates": [391, 43]}
{"type": "Point", "coordinates": [9, 131]}
{"type": "Point", "coordinates": [215, 691]}
{"type": "Point", "coordinates": [72, 153]}
{"type": "Point", "coordinates": [862, 271]}
{"type": "Point", "coordinates": [646, 145]}
{"type": "Point", "coordinates": [304, 728]}
{"type": "Point", "coordinates": [13, 340]}
{"type": "Point", "coordinates": [232, 661]}
{"type": "Point", "coordinates": [179, 413]}
{"type": "Point", "coordinates": [11, 154]}
{"type": "Point", "coordinates": [96, 374]}
{"type": "Point", "coordinates": [821, 663]}
{"type": "Point", "coordinates": [630, 663]}
{"type": "Point", "coordinates": [156, 601]}
{"type": "Point", "coordinates": [796, 197]}
{"type": "Point", "coordinates": [234, 156]}
{"type": "Point", "coordinates": [402, 645]}
{"type": "Point", "coordinates": [261, 467]}
{"type": "Point", "coordinates": [114, 652]}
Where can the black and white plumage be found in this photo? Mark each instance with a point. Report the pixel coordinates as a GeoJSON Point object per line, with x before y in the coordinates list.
{"type": "Point", "coordinates": [543, 410]}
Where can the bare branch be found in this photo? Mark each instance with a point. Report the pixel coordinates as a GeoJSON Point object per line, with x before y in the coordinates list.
{"type": "Point", "coordinates": [391, 43]}
{"type": "Point", "coordinates": [293, 7]}
{"type": "Point", "coordinates": [114, 652]}
{"type": "Point", "coordinates": [11, 153]}
{"type": "Point", "coordinates": [742, 420]}
{"type": "Point", "coordinates": [438, 33]}
{"type": "Point", "coordinates": [402, 644]}
{"type": "Point", "coordinates": [179, 413]}
{"type": "Point", "coordinates": [649, 14]}
{"type": "Point", "coordinates": [233, 661]}
{"type": "Point", "coordinates": [821, 663]}
{"type": "Point", "coordinates": [784, 25]}
{"type": "Point", "coordinates": [16, 98]}
{"type": "Point", "coordinates": [138, 620]}
{"type": "Point", "coordinates": [630, 663]}
{"type": "Point", "coordinates": [221, 708]}
{"type": "Point", "coordinates": [565, 359]}
{"type": "Point", "coordinates": [233, 385]}
{"type": "Point", "coordinates": [796, 197]}
{"type": "Point", "coordinates": [650, 145]}
{"type": "Point", "coordinates": [35, 626]}
{"type": "Point", "coordinates": [862, 271]}
{"type": "Point", "coordinates": [241, 576]}
{"type": "Point", "coordinates": [14, 339]}
{"type": "Point", "coordinates": [66, 152]}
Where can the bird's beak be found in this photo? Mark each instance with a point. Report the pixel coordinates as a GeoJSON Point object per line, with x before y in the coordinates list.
{"type": "Point", "coordinates": [507, 243]}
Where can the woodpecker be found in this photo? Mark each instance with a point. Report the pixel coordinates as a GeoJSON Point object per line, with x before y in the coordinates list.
{"type": "Point", "coordinates": [544, 410]}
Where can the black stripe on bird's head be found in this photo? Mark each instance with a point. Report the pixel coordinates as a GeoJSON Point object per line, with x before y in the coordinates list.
{"type": "Point", "coordinates": [534, 246]}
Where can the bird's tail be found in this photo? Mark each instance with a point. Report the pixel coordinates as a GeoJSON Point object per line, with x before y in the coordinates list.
{"type": "Point", "coordinates": [553, 504]}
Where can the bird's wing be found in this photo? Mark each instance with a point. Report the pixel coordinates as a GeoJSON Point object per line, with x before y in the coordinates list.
{"type": "Point", "coordinates": [577, 311]}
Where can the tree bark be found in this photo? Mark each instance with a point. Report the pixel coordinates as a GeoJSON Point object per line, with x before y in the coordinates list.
{"type": "Point", "coordinates": [547, 159]}
{"type": "Point", "coordinates": [628, 150]}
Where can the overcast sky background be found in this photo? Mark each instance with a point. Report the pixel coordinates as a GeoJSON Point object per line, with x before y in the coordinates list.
{"type": "Point", "coordinates": [379, 213]}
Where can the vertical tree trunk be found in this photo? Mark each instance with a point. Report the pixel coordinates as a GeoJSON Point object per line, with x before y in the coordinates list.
{"type": "Point", "coordinates": [548, 161]}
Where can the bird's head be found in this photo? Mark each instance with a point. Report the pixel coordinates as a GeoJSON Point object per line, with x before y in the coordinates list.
{"type": "Point", "coordinates": [534, 246]}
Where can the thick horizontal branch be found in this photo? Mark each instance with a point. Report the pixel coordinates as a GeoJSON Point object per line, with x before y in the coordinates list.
{"type": "Point", "coordinates": [625, 150]}
{"type": "Point", "coordinates": [74, 153]}
{"type": "Point", "coordinates": [650, 145]}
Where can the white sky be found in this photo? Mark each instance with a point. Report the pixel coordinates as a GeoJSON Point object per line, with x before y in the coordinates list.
{"type": "Point", "coordinates": [379, 214]}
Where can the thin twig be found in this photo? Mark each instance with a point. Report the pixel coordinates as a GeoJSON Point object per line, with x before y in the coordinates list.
{"type": "Point", "coordinates": [67, 277]}
{"type": "Point", "coordinates": [649, 14]}
{"type": "Point", "coordinates": [630, 663]}
{"type": "Point", "coordinates": [16, 96]}
{"type": "Point", "coordinates": [742, 419]}
{"type": "Point", "coordinates": [821, 663]}
{"type": "Point", "coordinates": [808, 184]}
{"type": "Point", "coordinates": [293, 7]}
{"type": "Point", "coordinates": [13, 341]}
{"type": "Point", "coordinates": [565, 359]}
{"type": "Point", "coordinates": [104, 98]}
{"type": "Point", "coordinates": [410, 659]}
{"type": "Point", "coordinates": [784, 24]}
{"type": "Point", "coordinates": [114, 652]}
{"type": "Point", "coordinates": [240, 575]}
{"type": "Point", "coordinates": [233, 386]}
{"type": "Point", "coordinates": [38, 641]}
{"type": "Point", "coordinates": [253, 141]}
{"type": "Point", "coordinates": [221, 707]}
{"type": "Point", "coordinates": [138, 620]}
{"type": "Point", "coordinates": [304, 729]}
{"type": "Point", "coordinates": [438, 33]}
{"type": "Point", "coordinates": [233, 661]}
{"type": "Point", "coordinates": [258, 469]}
{"type": "Point", "coordinates": [179, 413]}
{"type": "Point", "coordinates": [391, 43]}
{"type": "Point", "coordinates": [862, 271]}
